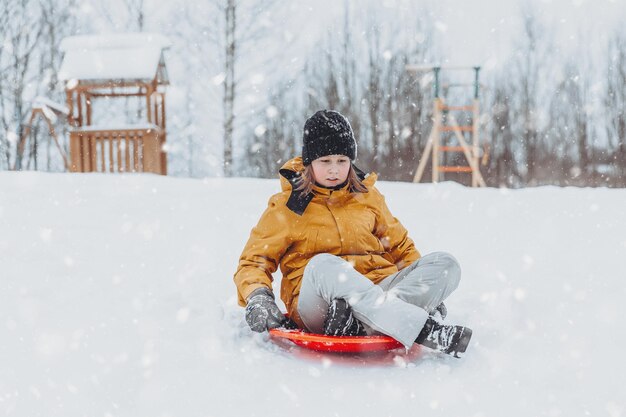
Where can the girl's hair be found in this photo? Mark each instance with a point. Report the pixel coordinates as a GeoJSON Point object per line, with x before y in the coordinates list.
{"type": "Point", "coordinates": [307, 180]}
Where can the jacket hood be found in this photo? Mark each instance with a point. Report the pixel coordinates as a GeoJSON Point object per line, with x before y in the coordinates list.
{"type": "Point", "coordinates": [291, 171]}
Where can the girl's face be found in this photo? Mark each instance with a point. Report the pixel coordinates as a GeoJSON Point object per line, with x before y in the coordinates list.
{"type": "Point", "coordinates": [331, 170]}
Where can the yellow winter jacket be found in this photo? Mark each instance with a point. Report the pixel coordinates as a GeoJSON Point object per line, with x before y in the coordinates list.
{"type": "Point", "coordinates": [356, 226]}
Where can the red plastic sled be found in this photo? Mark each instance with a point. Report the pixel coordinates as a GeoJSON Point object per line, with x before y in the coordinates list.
{"type": "Point", "coordinates": [338, 344]}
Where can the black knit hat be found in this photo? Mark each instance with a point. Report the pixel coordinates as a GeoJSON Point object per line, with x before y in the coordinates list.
{"type": "Point", "coordinates": [327, 132]}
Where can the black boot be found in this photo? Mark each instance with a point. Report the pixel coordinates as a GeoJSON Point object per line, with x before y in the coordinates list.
{"type": "Point", "coordinates": [340, 321]}
{"type": "Point", "coordinates": [441, 310]}
{"type": "Point", "coordinates": [452, 340]}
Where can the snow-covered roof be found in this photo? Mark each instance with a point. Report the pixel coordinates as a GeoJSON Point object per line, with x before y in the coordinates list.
{"type": "Point", "coordinates": [129, 56]}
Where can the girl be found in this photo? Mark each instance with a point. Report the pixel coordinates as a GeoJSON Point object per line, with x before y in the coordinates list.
{"type": "Point", "coordinates": [348, 265]}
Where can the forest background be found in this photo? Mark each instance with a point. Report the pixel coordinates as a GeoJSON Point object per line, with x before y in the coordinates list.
{"type": "Point", "coordinates": [244, 75]}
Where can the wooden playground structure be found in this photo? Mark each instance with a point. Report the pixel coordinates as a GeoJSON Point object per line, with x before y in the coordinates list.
{"type": "Point", "coordinates": [99, 69]}
{"type": "Point", "coordinates": [447, 135]}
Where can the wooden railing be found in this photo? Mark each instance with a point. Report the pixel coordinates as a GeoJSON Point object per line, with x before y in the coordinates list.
{"type": "Point", "coordinates": [128, 149]}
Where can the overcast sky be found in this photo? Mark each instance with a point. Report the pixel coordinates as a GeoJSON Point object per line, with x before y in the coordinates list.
{"type": "Point", "coordinates": [481, 31]}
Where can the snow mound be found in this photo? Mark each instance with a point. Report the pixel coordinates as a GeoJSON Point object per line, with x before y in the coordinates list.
{"type": "Point", "coordinates": [116, 299]}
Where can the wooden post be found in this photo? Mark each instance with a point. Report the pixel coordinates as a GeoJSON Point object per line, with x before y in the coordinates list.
{"type": "Point", "coordinates": [148, 105]}
{"type": "Point", "coordinates": [155, 105]}
{"type": "Point", "coordinates": [136, 165]}
{"type": "Point", "coordinates": [436, 140]}
{"type": "Point", "coordinates": [22, 143]}
{"type": "Point", "coordinates": [163, 111]}
{"type": "Point", "coordinates": [162, 155]}
{"type": "Point", "coordinates": [84, 152]}
{"type": "Point", "coordinates": [151, 152]}
{"type": "Point", "coordinates": [70, 105]}
{"type": "Point", "coordinates": [88, 108]}
{"type": "Point", "coordinates": [56, 140]}
{"type": "Point", "coordinates": [424, 158]}
{"type": "Point", "coordinates": [475, 142]}
{"type": "Point", "coordinates": [93, 153]}
{"type": "Point", "coordinates": [102, 147]}
{"type": "Point", "coordinates": [117, 139]}
{"type": "Point", "coordinates": [79, 105]}
{"type": "Point", "coordinates": [126, 154]}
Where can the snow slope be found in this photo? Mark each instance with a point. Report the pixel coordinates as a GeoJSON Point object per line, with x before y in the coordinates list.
{"type": "Point", "coordinates": [116, 299]}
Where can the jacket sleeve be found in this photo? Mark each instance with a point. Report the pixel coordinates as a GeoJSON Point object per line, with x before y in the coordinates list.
{"type": "Point", "coordinates": [393, 235]}
{"type": "Point", "coordinates": [268, 242]}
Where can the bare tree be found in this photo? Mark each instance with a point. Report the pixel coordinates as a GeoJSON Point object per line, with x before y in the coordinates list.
{"type": "Point", "coordinates": [243, 28]}
{"type": "Point", "coordinates": [567, 148]}
{"type": "Point", "coordinates": [137, 12]}
{"type": "Point", "coordinates": [5, 145]}
{"type": "Point", "coordinates": [230, 50]}
{"type": "Point", "coordinates": [528, 64]}
{"type": "Point", "coordinates": [374, 93]}
{"type": "Point", "coordinates": [502, 169]}
{"type": "Point", "coordinates": [58, 22]}
{"type": "Point", "coordinates": [17, 66]}
{"type": "Point", "coordinates": [349, 75]}
{"type": "Point", "coordinates": [193, 65]}
{"type": "Point", "coordinates": [615, 99]}
{"type": "Point", "coordinates": [561, 132]}
{"type": "Point", "coordinates": [124, 15]}
{"type": "Point", "coordinates": [276, 138]}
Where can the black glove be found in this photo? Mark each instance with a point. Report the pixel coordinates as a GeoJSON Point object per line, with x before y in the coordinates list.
{"type": "Point", "coordinates": [262, 313]}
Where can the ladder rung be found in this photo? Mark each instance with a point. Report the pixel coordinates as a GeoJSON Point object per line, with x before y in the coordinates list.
{"type": "Point", "coordinates": [453, 128]}
{"type": "Point", "coordinates": [459, 108]}
{"type": "Point", "coordinates": [451, 148]}
{"type": "Point", "coordinates": [454, 169]}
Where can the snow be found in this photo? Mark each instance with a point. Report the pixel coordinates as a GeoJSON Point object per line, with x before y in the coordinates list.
{"type": "Point", "coordinates": [115, 41]}
{"type": "Point", "coordinates": [119, 126]}
{"type": "Point", "coordinates": [44, 102]}
{"type": "Point", "coordinates": [111, 64]}
{"type": "Point", "coordinates": [117, 299]}
{"type": "Point", "coordinates": [131, 56]}
{"type": "Point", "coordinates": [47, 111]}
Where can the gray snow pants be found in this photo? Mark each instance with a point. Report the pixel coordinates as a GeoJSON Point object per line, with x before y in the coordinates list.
{"type": "Point", "coordinates": [398, 306]}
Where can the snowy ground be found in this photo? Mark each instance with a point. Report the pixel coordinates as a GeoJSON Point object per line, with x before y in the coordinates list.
{"type": "Point", "coordinates": [116, 299]}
